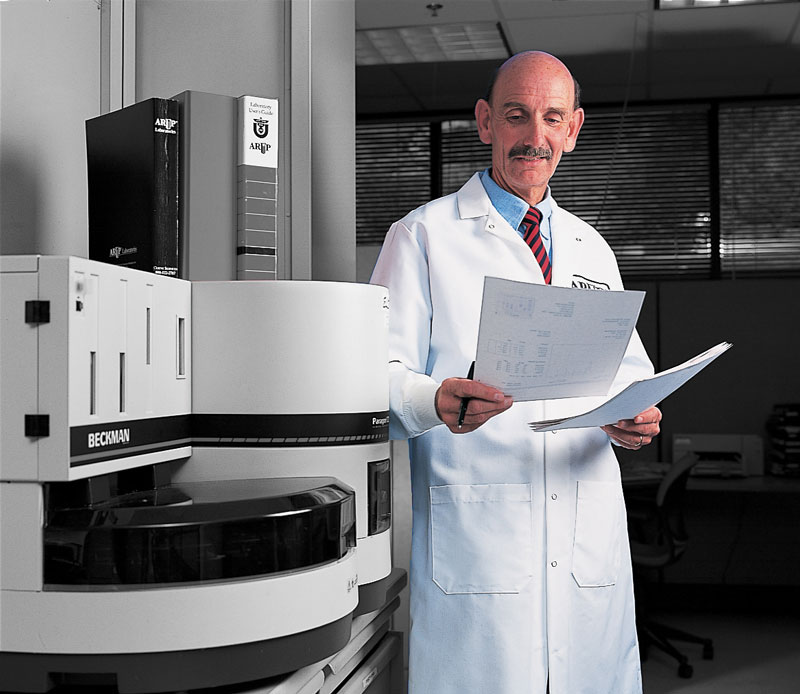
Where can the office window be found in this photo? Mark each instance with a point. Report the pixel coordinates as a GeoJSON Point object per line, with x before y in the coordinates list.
{"type": "Point", "coordinates": [759, 189]}
{"type": "Point", "coordinates": [701, 190]}
{"type": "Point", "coordinates": [462, 153]}
{"type": "Point", "coordinates": [393, 175]}
{"type": "Point", "coordinates": [642, 181]}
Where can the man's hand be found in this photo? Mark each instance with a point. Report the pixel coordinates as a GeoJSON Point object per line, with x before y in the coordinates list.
{"type": "Point", "coordinates": [485, 402]}
{"type": "Point", "coordinates": [637, 432]}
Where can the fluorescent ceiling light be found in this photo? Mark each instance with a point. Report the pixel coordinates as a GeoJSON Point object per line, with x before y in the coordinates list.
{"type": "Point", "coordinates": [683, 4]}
{"type": "Point", "coordinates": [430, 44]}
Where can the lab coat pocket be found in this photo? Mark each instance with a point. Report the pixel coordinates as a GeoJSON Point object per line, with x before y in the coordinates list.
{"type": "Point", "coordinates": [481, 540]}
{"type": "Point", "coordinates": [596, 547]}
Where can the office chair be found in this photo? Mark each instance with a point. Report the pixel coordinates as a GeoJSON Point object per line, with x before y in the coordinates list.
{"type": "Point", "coordinates": [658, 538]}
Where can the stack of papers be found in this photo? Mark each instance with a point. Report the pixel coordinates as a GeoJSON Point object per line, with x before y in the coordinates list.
{"type": "Point", "coordinates": [638, 396]}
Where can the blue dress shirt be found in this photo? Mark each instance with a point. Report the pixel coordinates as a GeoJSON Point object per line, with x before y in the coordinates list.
{"type": "Point", "coordinates": [513, 209]}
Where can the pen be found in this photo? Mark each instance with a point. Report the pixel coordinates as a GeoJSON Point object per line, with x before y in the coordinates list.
{"type": "Point", "coordinates": [465, 401]}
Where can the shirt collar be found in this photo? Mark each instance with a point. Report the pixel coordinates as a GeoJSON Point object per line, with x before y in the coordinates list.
{"type": "Point", "coordinates": [510, 207]}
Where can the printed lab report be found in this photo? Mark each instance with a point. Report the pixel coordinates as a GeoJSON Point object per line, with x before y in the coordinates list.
{"type": "Point", "coordinates": [538, 342]}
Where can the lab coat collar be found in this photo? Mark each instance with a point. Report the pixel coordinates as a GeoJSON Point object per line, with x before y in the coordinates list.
{"type": "Point", "coordinates": [473, 200]}
{"type": "Point", "coordinates": [474, 203]}
{"type": "Point", "coordinates": [565, 229]}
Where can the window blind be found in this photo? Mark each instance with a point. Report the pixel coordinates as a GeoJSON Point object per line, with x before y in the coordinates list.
{"type": "Point", "coordinates": [393, 175]}
{"type": "Point", "coordinates": [462, 154]}
{"type": "Point", "coordinates": [759, 175]}
{"type": "Point", "coordinates": [698, 190]}
{"type": "Point", "coordinates": [642, 180]}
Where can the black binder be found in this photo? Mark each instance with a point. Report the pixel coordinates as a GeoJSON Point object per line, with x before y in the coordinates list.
{"type": "Point", "coordinates": [133, 166]}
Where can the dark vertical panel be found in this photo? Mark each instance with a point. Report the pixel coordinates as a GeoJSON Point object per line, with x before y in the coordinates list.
{"type": "Point", "coordinates": [736, 393]}
{"type": "Point", "coordinates": [760, 189]}
{"type": "Point", "coordinates": [714, 181]}
{"type": "Point", "coordinates": [436, 160]}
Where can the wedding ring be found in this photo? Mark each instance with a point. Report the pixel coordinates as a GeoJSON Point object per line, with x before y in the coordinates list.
{"type": "Point", "coordinates": [641, 441]}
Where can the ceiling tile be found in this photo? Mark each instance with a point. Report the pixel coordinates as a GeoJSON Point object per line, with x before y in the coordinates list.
{"type": "Point", "coordinates": [582, 35]}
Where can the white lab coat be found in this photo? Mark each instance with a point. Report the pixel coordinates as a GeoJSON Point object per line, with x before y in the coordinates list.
{"type": "Point", "coordinates": [520, 564]}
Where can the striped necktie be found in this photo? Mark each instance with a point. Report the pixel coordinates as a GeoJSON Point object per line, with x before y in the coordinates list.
{"type": "Point", "coordinates": [530, 225]}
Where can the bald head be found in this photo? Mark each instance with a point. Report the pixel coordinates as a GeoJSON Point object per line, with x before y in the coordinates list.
{"type": "Point", "coordinates": [532, 60]}
{"type": "Point", "coordinates": [530, 119]}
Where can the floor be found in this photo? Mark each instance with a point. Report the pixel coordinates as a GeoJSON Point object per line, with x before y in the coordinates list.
{"type": "Point", "coordinates": [753, 654]}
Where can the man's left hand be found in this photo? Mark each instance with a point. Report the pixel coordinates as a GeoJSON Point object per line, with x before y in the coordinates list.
{"type": "Point", "coordinates": [637, 432]}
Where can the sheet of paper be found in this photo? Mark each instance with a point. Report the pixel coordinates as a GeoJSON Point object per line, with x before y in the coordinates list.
{"type": "Point", "coordinates": [538, 342]}
{"type": "Point", "coordinates": [638, 396]}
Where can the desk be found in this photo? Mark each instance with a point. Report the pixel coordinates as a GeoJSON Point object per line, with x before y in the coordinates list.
{"type": "Point", "coordinates": [649, 474]}
{"type": "Point", "coordinates": [742, 531]}
{"type": "Point", "coordinates": [761, 484]}
{"type": "Point", "coordinates": [637, 476]}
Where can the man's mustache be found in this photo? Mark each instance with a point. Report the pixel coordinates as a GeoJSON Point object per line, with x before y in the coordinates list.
{"type": "Point", "coordinates": [527, 151]}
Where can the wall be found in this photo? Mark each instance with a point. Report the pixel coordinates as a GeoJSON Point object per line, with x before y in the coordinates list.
{"type": "Point", "coordinates": [333, 144]}
{"type": "Point", "coordinates": [300, 52]}
{"type": "Point", "coordinates": [49, 86]}
{"type": "Point", "coordinates": [53, 62]}
{"type": "Point", "coordinates": [736, 393]}
{"type": "Point", "coordinates": [234, 47]}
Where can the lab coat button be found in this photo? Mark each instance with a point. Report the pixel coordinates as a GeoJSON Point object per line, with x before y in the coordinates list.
{"type": "Point", "coordinates": [554, 496]}
{"type": "Point", "coordinates": [553, 564]}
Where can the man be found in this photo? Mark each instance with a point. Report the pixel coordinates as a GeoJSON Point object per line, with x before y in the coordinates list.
{"type": "Point", "coordinates": [520, 566]}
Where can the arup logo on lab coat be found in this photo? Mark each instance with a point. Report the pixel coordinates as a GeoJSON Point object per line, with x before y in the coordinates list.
{"type": "Point", "coordinates": [580, 282]}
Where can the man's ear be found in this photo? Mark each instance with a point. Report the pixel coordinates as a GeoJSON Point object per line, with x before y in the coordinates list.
{"type": "Point", "coordinates": [483, 114]}
{"type": "Point", "coordinates": [575, 123]}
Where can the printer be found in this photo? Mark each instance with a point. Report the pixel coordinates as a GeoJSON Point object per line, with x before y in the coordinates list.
{"type": "Point", "coordinates": [153, 545]}
{"type": "Point", "coordinates": [721, 455]}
